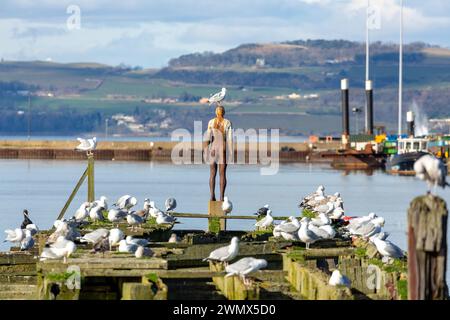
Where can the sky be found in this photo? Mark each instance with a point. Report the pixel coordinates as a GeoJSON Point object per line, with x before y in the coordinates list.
{"type": "Point", "coordinates": [149, 33]}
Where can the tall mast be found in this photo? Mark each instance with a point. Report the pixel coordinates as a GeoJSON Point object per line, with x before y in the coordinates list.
{"type": "Point", "coordinates": [367, 60]}
{"type": "Point", "coordinates": [400, 72]}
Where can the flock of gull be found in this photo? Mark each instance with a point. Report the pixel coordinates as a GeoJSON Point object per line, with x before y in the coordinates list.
{"type": "Point", "coordinates": [323, 218]}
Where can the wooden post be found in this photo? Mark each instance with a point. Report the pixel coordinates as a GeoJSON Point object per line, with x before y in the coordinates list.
{"type": "Point", "coordinates": [427, 248]}
{"type": "Point", "coordinates": [72, 195]}
{"type": "Point", "coordinates": [215, 224]}
{"type": "Point", "coordinates": [91, 190]}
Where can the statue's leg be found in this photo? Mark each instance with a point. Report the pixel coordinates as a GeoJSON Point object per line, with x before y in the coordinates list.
{"type": "Point", "coordinates": [223, 179]}
{"type": "Point", "coordinates": [212, 180]}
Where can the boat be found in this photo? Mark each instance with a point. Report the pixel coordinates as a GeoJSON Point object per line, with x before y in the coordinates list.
{"type": "Point", "coordinates": [409, 150]}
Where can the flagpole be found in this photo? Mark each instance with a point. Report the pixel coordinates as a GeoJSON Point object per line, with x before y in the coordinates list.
{"type": "Point", "coordinates": [400, 74]}
{"type": "Point", "coordinates": [366, 124]}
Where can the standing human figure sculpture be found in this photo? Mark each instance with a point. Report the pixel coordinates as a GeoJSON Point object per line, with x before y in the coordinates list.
{"type": "Point", "coordinates": [219, 139]}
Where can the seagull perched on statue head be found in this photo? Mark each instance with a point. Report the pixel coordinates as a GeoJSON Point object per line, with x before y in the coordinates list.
{"type": "Point", "coordinates": [217, 97]}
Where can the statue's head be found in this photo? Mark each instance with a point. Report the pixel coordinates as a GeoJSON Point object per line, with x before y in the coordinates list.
{"type": "Point", "coordinates": [220, 111]}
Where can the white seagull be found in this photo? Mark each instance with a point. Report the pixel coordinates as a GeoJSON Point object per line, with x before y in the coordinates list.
{"type": "Point", "coordinates": [115, 236]}
{"type": "Point", "coordinates": [137, 241]}
{"type": "Point", "coordinates": [225, 254]}
{"type": "Point", "coordinates": [432, 170]}
{"type": "Point", "coordinates": [134, 220]}
{"type": "Point", "coordinates": [338, 279]}
{"type": "Point", "coordinates": [245, 266]}
{"type": "Point", "coordinates": [28, 242]}
{"type": "Point", "coordinates": [171, 204]}
{"type": "Point", "coordinates": [126, 202]}
{"type": "Point", "coordinates": [227, 205]}
{"type": "Point", "coordinates": [217, 97]}
{"type": "Point", "coordinates": [287, 229]}
{"type": "Point", "coordinates": [82, 212]}
{"type": "Point", "coordinates": [95, 236]}
{"type": "Point", "coordinates": [143, 252]}
{"type": "Point", "coordinates": [163, 218]}
{"type": "Point", "coordinates": [386, 248]}
{"type": "Point", "coordinates": [87, 145]}
{"type": "Point", "coordinates": [14, 236]}
{"type": "Point", "coordinates": [305, 235]}
{"type": "Point", "coordinates": [265, 222]}
{"type": "Point", "coordinates": [62, 248]}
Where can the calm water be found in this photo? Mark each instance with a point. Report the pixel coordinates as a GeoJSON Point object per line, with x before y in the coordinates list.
{"type": "Point", "coordinates": [44, 186]}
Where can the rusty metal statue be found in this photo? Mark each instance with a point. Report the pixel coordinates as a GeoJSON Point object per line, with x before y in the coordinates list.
{"type": "Point", "coordinates": [218, 148]}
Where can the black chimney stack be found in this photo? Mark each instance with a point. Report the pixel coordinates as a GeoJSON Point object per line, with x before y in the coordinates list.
{"type": "Point", "coordinates": [369, 107]}
{"type": "Point", "coordinates": [411, 123]}
{"type": "Point", "coordinates": [345, 112]}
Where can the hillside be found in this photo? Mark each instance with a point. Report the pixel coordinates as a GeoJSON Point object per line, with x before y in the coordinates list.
{"type": "Point", "coordinates": [293, 86]}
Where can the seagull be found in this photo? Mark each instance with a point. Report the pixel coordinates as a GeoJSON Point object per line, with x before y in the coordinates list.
{"type": "Point", "coordinates": [171, 204]}
{"type": "Point", "coordinates": [355, 222]}
{"type": "Point", "coordinates": [321, 220]}
{"type": "Point", "coordinates": [227, 206]}
{"type": "Point", "coordinates": [127, 247]}
{"type": "Point", "coordinates": [262, 211]}
{"type": "Point", "coordinates": [225, 254]}
{"type": "Point", "coordinates": [318, 194]}
{"type": "Point", "coordinates": [432, 170]}
{"type": "Point", "coordinates": [82, 212]}
{"type": "Point", "coordinates": [265, 222]}
{"type": "Point", "coordinates": [217, 97]}
{"type": "Point", "coordinates": [64, 229]}
{"type": "Point", "coordinates": [87, 145]}
{"type": "Point", "coordinates": [115, 236]}
{"type": "Point", "coordinates": [14, 236]}
{"type": "Point", "coordinates": [163, 218]}
{"type": "Point", "coordinates": [369, 228]}
{"type": "Point", "coordinates": [287, 229]}
{"type": "Point", "coordinates": [115, 215]}
{"type": "Point", "coordinates": [145, 210]}
{"type": "Point", "coordinates": [62, 248]}
{"type": "Point", "coordinates": [101, 203]}
{"type": "Point", "coordinates": [126, 202]}
{"type": "Point", "coordinates": [95, 236]}
{"type": "Point", "coordinates": [323, 232]}
{"type": "Point", "coordinates": [26, 219]}
{"type": "Point", "coordinates": [32, 228]}
{"type": "Point", "coordinates": [28, 242]}
{"type": "Point", "coordinates": [386, 248]}
{"type": "Point", "coordinates": [143, 252]}
{"type": "Point", "coordinates": [338, 279]}
{"type": "Point", "coordinates": [245, 266]}
{"type": "Point", "coordinates": [96, 213]}
{"type": "Point", "coordinates": [139, 242]}
{"type": "Point", "coordinates": [305, 235]}
{"type": "Point", "coordinates": [337, 212]}
{"type": "Point", "coordinates": [134, 220]}
{"type": "Point", "coordinates": [173, 238]}
{"type": "Point", "coordinates": [153, 211]}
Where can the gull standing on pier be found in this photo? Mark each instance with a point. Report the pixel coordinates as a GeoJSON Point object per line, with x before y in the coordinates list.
{"type": "Point", "coordinates": [317, 195]}
{"type": "Point", "coordinates": [225, 254]}
{"type": "Point", "coordinates": [127, 247]}
{"type": "Point", "coordinates": [62, 248]}
{"type": "Point", "coordinates": [287, 229]}
{"type": "Point", "coordinates": [163, 218]}
{"type": "Point", "coordinates": [137, 241]}
{"type": "Point", "coordinates": [96, 212]}
{"type": "Point", "coordinates": [431, 170]}
{"type": "Point", "coordinates": [305, 235]}
{"type": "Point", "coordinates": [386, 248]}
{"type": "Point", "coordinates": [338, 279]}
{"type": "Point", "coordinates": [95, 236]}
{"type": "Point", "coordinates": [217, 97]}
{"type": "Point", "coordinates": [227, 205]}
{"type": "Point", "coordinates": [368, 229]}
{"type": "Point", "coordinates": [321, 220]}
{"type": "Point", "coordinates": [154, 210]}
{"type": "Point", "coordinates": [82, 212]}
{"type": "Point", "coordinates": [245, 266]}
{"type": "Point", "coordinates": [116, 216]}
{"type": "Point", "coordinates": [171, 204]}
{"type": "Point", "coordinates": [134, 220]}
{"type": "Point", "coordinates": [115, 236]}
{"type": "Point", "coordinates": [101, 203]}
{"type": "Point", "coordinates": [14, 236]}
{"type": "Point", "coordinates": [265, 222]}
{"type": "Point", "coordinates": [126, 202]}
{"type": "Point", "coordinates": [145, 209]}
{"type": "Point", "coordinates": [323, 232]}
{"type": "Point", "coordinates": [87, 145]}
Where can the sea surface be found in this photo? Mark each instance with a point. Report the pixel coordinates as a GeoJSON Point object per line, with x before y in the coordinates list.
{"type": "Point", "coordinates": [43, 186]}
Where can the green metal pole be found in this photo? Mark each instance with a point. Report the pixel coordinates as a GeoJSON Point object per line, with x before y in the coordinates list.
{"type": "Point", "coordinates": [72, 195]}
{"type": "Point", "coordinates": [91, 190]}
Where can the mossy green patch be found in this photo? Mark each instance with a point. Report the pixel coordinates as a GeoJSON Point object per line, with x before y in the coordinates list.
{"type": "Point", "coordinates": [308, 214]}
{"type": "Point", "coordinates": [402, 289]}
